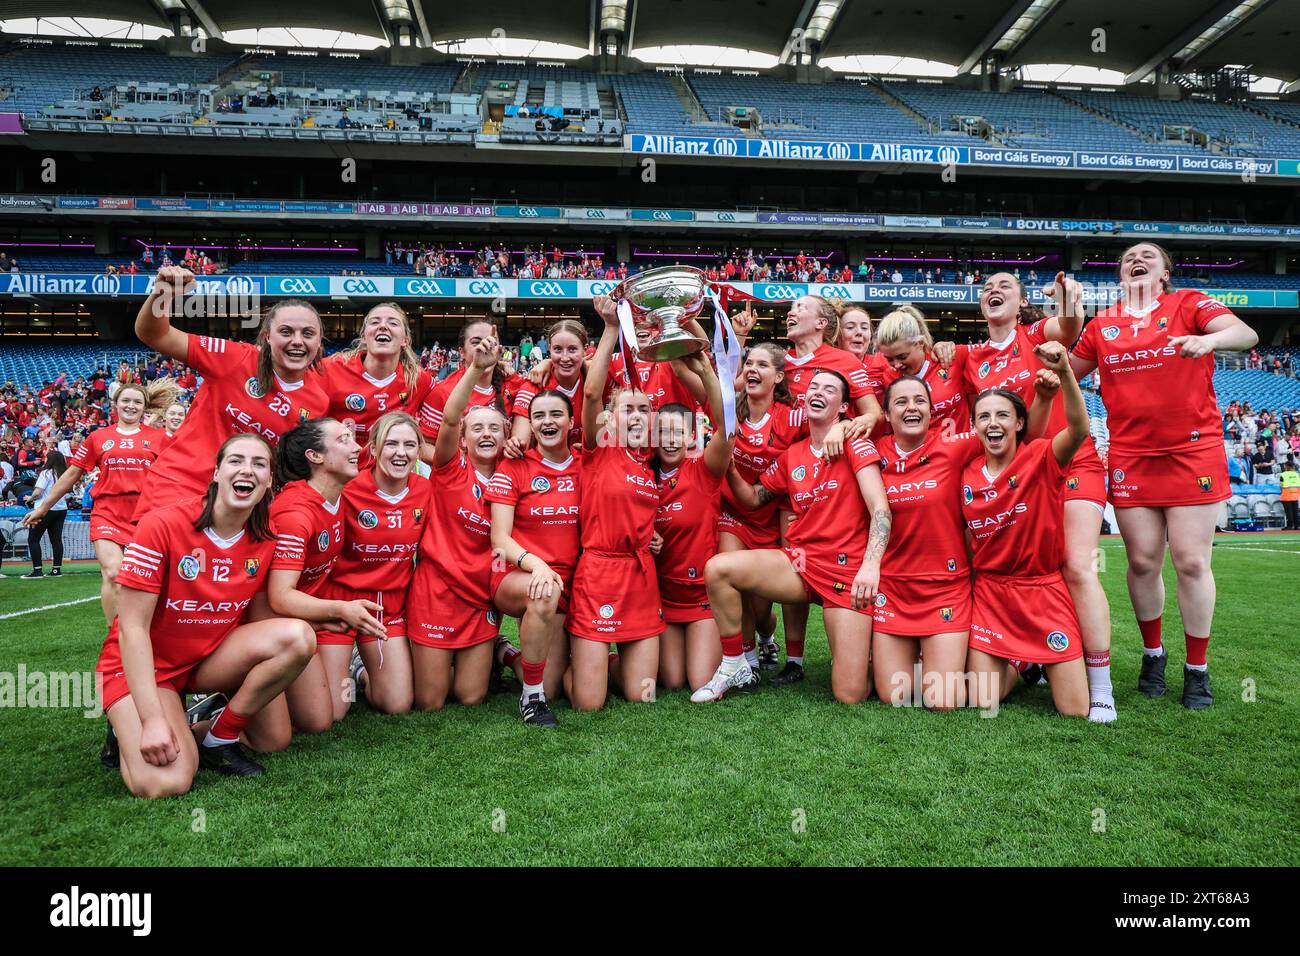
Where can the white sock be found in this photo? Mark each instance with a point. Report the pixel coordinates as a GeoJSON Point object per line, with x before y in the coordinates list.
{"type": "Point", "coordinates": [211, 741]}
{"type": "Point", "coordinates": [730, 664]}
{"type": "Point", "coordinates": [1099, 686]}
{"type": "Point", "coordinates": [767, 639]}
{"type": "Point", "coordinates": [795, 660]}
{"type": "Point", "coordinates": [751, 656]}
{"type": "Point", "coordinates": [1153, 651]}
{"type": "Point", "coordinates": [531, 689]}
{"type": "Point", "coordinates": [1197, 667]}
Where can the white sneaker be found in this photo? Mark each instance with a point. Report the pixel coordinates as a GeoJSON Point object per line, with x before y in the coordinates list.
{"type": "Point", "coordinates": [723, 681]}
{"type": "Point", "coordinates": [1102, 711]}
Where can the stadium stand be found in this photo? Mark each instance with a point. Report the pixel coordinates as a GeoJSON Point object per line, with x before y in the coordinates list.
{"type": "Point", "coordinates": [25, 364]}
{"type": "Point", "coordinates": [1242, 131]}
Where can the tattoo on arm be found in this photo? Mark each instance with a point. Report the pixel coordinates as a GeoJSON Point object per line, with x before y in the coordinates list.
{"type": "Point", "coordinates": [762, 494]}
{"type": "Point", "coordinates": [881, 524]}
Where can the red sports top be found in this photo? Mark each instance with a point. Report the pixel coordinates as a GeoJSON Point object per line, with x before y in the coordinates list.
{"type": "Point", "coordinates": [204, 586]}
{"type": "Point", "coordinates": [619, 500]}
{"type": "Point", "coordinates": [830, 518]}
{"type": "Point", "coordinates": [758, 444]}
{"type": "Point", "coordinates": [433, 406]}
{"type": "Point", "coordinates": [1017, 519]}
{"type": "Point", "coordinates": [689, 504]}
{"type": "Point", "coordinates": [656, 379]}
{"type": "Point", "coordinates": [308, 534]}
{"type": "Point", "coordinates": [1157, 402]}
{"type": "Point", "coordinates": [947, 389]}
{"type": "Point", "coordinates": [380, 534]}
{"type": "Point", "coordinates": [545, 496]}
{"type": "Point", "coordinates": [123, 461]}
{"type": "Point", "coordinates": [229, 402]}
{"type": "Point", "coordinates": [359, 400]}
{"type": "Point", "coordinates": [799, 372]}
{"type": "Point", "coordinates": [928, 537]}
{"type": "Point", "coordinates": [458, 541]}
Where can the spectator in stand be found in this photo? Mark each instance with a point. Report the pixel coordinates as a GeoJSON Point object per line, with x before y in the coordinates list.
{"type": "Point", "coordinates": [1291, 495]}
{"type": "Point", "coordinates": [1264, 461]}
{"type": "Point", "coordinates": [1238, 467]}
{"type": "Point", "coordinates": [896, 277]}
{"type": "Point", "coordinates": [4, 262]}
{"type": "Point", "coordinates": [13, 266]}
{"type": "Point", "coordinates": [52, 523]}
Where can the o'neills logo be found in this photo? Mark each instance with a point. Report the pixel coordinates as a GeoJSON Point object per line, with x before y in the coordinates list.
{"type": "Point", "coordinates": [75, 909]}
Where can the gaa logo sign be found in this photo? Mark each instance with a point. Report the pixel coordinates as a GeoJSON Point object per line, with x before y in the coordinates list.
{"type": "Point", "coordinates": [528, 212]}
{"type": "Point", "coordinates": [781, 292]}
{"type": "Point", "coordinates": [188, 567]}
{"type": "Point", "coordinates": [360, 286]}
{"type": "Point", "coordinates": [838, 151]}
{"type": "Point", "coordinates": [484, 288]}
{"type": "Point", "coordinates": [595, 214]}
{"type": "Point", "coordinates": [424, 287]}
{"type": "Point", "coordinates": [368, 519]}
{"type": "Point", "coordinates": [603, 288]}
{"type": "Point", "coordinates": [355, 402]}
{"type": "Point", "coordinates": [833, 292]}
{"type": "Point", "coordinates": [297, 286]}
{"type": "Point", "coordinates": [546, 290]}
{"type": "Point", "coordinates": [726, 217]}
{"type": "Point", "coordinates": [541, 485]}
{"type": "Point", "coordinates": [106, 285]}
{"type": "Point", "coordinates": [725, 146]}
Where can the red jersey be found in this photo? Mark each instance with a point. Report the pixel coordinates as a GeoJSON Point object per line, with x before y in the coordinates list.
{"type": "Point", "coordinates": [830, 517]}
{"type": "Point", "coordinates": [458, 541]}
{"type": "Point", "coordinates": [619, 501]}
{"type": "Point", "coordinates": [656, 379]}
{"type": "Point", "coordinates": [799, 372]}
{"type": "Point", "coordinates": [359, 400]}
{"type": "Point", "coordinates": [545, 497]}
{"type": "Point", "coordinates": [308, 534]}
{"type": "Point", "coordinates": [1016, 520]}
{"type": "Point", "coordinates": [1011, 364]}
{"type": "Point", "coordinates": [229, 402]}
{"type": "Point", "coordinates": [1158, 403]}
{"type": "Point", "coordinates": [928, 537]}
{"type": "Point", "coordinates": [204, 585]}
{"type": "Point", "coordinates": [947, 388]}
{"type": "Point", "coordinates": [758, 445]}
{"type": "Point", "coordinates": [432, 408]}
{"type": "Point", "coordinates": [380, 534]}
{"type": "Point", "coordinates": [123, 460]}
{"type": "Point", "coordinates": [689, 504]}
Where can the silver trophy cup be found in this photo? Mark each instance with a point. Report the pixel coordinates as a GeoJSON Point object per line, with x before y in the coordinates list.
{"type": "Point", "coordinates": [661, 299]}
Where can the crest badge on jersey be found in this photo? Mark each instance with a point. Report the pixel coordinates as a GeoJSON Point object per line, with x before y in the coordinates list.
{"type": "Point", "coordinates": [943, 374]}
{"type": "Point", "coordinates": [606, 612]}
{"type": "Point", "coordinates": [254, 388]}
{"type": "Point", "coordinates": [690, 572]}
{"type": "Point", "coordinates": [368, 519]}
{"type": "Point", "coordinates": [541, 484]}
{"type": "Point", "coordinates": [799, 473]}
{"type": "Point", "coordinates": [838, 587]}
{"type": "Point", "coordinates": [146, 443]}
{"type": "Point", "coordinates": [493, 617]}
{"type": "Point", "coordinates": [952, 564]}
{"type": "Point", "coordinates": [1072, 482]}
{"type": "Point", "coordinates": [967, 493]}
{"type": "Point", "coordinates": [303, 414]}
{"type": "Point", "coordinates": [355, 402]}
{"type": "Point", "coordinates": [1195, 436]}
{"type": "Point", "coordinates": [881, 600]}
{"type": "Point", "coordinates": [323, 541]}
{"type": "Point", "coordinates": [109, 445]}
{"type": "Point", "coordinates": [1011, 482]}
{"type": "Point", "coordinates": [478, 492]}
{"type": "Point", "coordinates": [923, 460]}
{"type": "Point", "coordinates": [842, 559]}
{"type": "Point", "coordinates": [1206, 483]}
{"type": "Point", "coordinates": [945, 613]}
{"type": "Point", "coordinates": [417, 515]}
{"type": "Point", "coordinates": [984, 370]}
{"type": "Point", "coordinates": [1117, 475]}
{"type": "Point", "coordinates": [188, 567]}
{"type": "Point", "coordinates": [1110, 333]}
{"type": "Point", "coordinates": [1058, 641]}
{"type": "Point", "coordinates": [1162, 323]}
{"type": "Point", "coordinates": [251, 565]}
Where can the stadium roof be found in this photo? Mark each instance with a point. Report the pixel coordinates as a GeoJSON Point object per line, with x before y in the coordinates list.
{"type": "Point", "coordinates": [1138, 38]}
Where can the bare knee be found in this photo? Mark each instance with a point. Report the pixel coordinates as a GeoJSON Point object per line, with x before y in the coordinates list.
{"type": "Point", "coordinates": [156, 786]}
{"type": "Point", "coordinates": [544, 608]}
{"type": "Point", "coordinates": [430, 698]}
{"type": "Point", "coordinates": [1145, 565]}
{"type": "Point", "coordinates": [471, 698]}
{"type": "Point", "coordinates": [1190, 564]}
{"type": "Point", "coordinates": [297, 641]}
{"type": "Point", "coordinates": [391, 702]}
{"type": "Point", "coordinates": [718, 569]}
{"type": "Point", "coordinates": [110, 575]}
{"type": "Point", "coordinates": [850, 695]}
{"type": "Point", "coordinates": [314, 723]}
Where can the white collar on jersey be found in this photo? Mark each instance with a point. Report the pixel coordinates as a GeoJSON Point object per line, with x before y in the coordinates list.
{"type": "Point", "coordinates": [1005, 342]}
{"type": "Point", "coordinates": [815, 450]}
{"type": "Point", "coordinates": [925, 369]}
{"type": "Point", "coordinates": [223, 543]}
{"type": "Point", "coordinates": [287, 386]}
{"type": "Point", "coordinates": [761, 422]}
{"type": "Point", "coordinates": [380, 382]}
{"type": "Point", "coordinates": [570, 392]}
{"type": "Point", "coordinates": [558, 465]}
{"type": "Point", "coordinates": [791, 359]}
{"type": "Point", "coordinates": [482, 478]}
{"type": "Point", "coordinates": [668, 474]}
{"type": "Point", "coordinates": [393, 499]}
{"type": "Point", "coordinates": [332, 506]}
{"type": "Point", "coordinates": [1140, 313]}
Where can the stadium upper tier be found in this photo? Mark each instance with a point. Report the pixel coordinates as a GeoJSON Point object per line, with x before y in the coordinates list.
{"type": "Point", "coordinates": [56, 82]}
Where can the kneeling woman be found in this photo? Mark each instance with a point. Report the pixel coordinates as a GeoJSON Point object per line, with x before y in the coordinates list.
{"type": "Point", "coordinates": [187, 580]}
{"type": "Point", "coordinates": [615, 590]}
{"type": "Point", "coordinates": [690, 501]}
{"type": "Point", "coordinates": [833, 548]}
{"type": "Point", "coordinates": [534, 503]}
{"type": "Point", "coordinates": [923, 609]}
{"type": "Point", "coordinates": [1014, 507]}
{"type": "Point", "coordinates": [453, 622]}
{"type": "Point", "coordinates": [384, 512]}
{"type": "Point", "coordinates": [315, 460]}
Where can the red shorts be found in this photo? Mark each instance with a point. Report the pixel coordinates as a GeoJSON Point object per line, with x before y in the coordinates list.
{"type": "Point", "coordinates": [684, 602]}
{"type": "Point", "coordinates": [615, 598]}
{"type": "Point", "coordinates": [753, 536]}
{"type": "Point", "coordinates": [1027, 619]}
{"type": "Point", "coordinates": [393, 615]}
{"type": "Point", "coordinates": [828, 584]}
{"type": "Point", "coordinates": [919, 607]}
{"type": "Point", "coordinates": [439, 618]}
{"type": "Point", "coordinates": [110, 520]}
{"type": "Point", "coordinates": [1085, 476]}
{"type": "Point", "coordinates": [562, 607]}
{"type": "Point", "coordinates": [114, 686]}
{"type": "Point", "coordinates": [1198, 476]}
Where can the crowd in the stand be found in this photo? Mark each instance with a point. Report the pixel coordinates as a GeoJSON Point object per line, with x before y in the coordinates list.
{"type": "Point", "coordinates": [1269, 362]}
{"type": "Point", "coordinates": [1261, 445]}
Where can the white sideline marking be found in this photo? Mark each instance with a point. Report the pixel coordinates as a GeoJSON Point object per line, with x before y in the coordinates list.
{"type": "Point", "coordinates": [51, 607]}
{"type": "Point", "coordinates": [1250, 547]}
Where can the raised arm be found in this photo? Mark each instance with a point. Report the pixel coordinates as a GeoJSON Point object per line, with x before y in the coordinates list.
{"type": "Point", "coordinates": [1067, 323]}
{"type": "Point", "coordinates": [717, 454]}
{"type": "Point", "coordinates": [593, 385]}
{"type": "Point", "coordinates": [486, 354]}
{"type": "Point", "coordinates": [1067, 441]}
{"type": "Point", "coordinates": [153, 324]}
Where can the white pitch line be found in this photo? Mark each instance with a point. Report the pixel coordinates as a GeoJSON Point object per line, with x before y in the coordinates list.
{"type": "Point", "coordinates": [48, 607]}
{"type": "Point", "coordinates": [1251, 548]}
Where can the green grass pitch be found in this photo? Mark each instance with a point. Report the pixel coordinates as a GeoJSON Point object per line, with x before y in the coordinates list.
{"type": "Point", "coordinates": [777, 777]}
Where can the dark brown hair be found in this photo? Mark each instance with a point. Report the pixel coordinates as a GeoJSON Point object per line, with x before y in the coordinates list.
{"type": "Point", "coordinates": [259, 522]}
{"type": "Point", "coordinates": [780, 391]}
{"type": "Point", "coordinates": [265, 367]}
{"type": "Point", "coordinates": [1017, 403]}
{"type": "Point", "coordinates": [291, 462]}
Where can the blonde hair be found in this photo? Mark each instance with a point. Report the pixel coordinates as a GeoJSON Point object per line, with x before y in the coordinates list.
{"type": "Point", "coordinates": [829, 310]}
{"type": "Point", "coordinates": [160, 395]}
{"type": "Point", "coordinates": [842, 309]}
{"type": "Point", "coordinates": [407, 359]}
{"type": "Point", "coordinates": [904, 324]}
{"type": "Point", "coordinates": [379, 431]}
{"type": "Point", "coordinates": [572, 326]}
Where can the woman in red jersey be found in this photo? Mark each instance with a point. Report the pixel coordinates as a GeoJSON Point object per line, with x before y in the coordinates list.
{"type": "Point", "coordinates": [265, 389]}
{"type": "Point", "coordinates": [188, 579]}
{"type": "Point", "coordinates": [453, 622]}
{"type": "Point", "coordinates": [832, 550]}
{"type": "Point", "coordinates": [922, 611]}
{"type": "Point", "coordinates": [690, 500]}
{"type": "Point", "coordinates": [534, 502]}
{"type": "Point", "coordinates": [1154, 351]}
{"type": "Point", "coordinates": [314, 461]}
{"type": "Point", "coordinates": [1012, 503]}
{"type": "Point", "coordinates": [767, 423]}
{"type": "Point", "coordinates": [1006, 360]}
{"type": "Point", "coordinates": [495, 387]}
{"type": "Point", "coordinates": [855, 332]}
{"type": "Point", "coordinates": [380, 373]}
{"type": "Point", "coordinates": [123, 454]}
{"type": "Point", "coordinates": [384, 513]}
{"type": "Point", "coordinates": [564, 371]}
{"type": "Point", "coordinates": [904, 347]}
{"type": "Point", "coordinates": [615, 589]}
